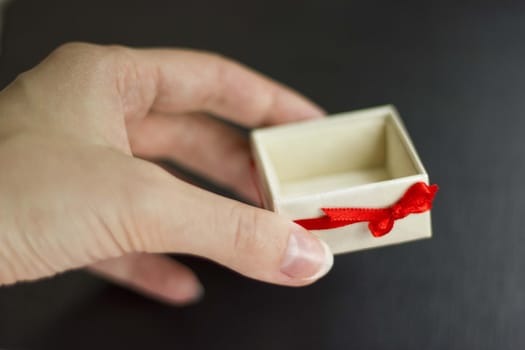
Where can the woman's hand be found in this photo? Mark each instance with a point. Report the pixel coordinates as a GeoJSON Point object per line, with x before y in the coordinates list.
{"type": "Point", "coordinates": [72, 194]}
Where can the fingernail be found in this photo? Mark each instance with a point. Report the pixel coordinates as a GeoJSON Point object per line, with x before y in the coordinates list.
{"type": "Point", "coordinates": [306, 257]}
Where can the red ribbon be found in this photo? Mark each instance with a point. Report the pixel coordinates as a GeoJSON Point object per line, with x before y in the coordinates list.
{"type": "Point", "coordinates": [417, 199]}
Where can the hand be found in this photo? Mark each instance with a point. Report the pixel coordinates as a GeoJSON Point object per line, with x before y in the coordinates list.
{"type": "Point", "coordinates": [72, 194]}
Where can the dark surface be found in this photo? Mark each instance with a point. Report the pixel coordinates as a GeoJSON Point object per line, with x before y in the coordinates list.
{"type": "Point", "coordinates": [456, 74]}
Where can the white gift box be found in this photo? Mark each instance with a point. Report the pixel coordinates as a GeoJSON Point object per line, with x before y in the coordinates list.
{"type": "Point", "coordinates": [360, 159]}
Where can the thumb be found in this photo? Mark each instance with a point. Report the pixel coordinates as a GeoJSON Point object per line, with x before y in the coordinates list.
{"type": "Point", "coordinates": [254, 242]}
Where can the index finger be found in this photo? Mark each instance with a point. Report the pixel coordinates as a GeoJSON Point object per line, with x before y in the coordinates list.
{"type": "Point", "coordinates": [188, 81]}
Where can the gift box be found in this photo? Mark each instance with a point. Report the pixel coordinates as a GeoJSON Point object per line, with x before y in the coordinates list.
{"type": "Point", "coordinates": [354, 179]}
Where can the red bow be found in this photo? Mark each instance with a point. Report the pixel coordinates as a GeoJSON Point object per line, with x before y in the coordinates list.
{"type": "Point", "coordinates": [417, 199]}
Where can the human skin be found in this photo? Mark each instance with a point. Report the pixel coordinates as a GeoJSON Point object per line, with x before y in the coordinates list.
{"type": "Point", "coordinates": [77, 189]}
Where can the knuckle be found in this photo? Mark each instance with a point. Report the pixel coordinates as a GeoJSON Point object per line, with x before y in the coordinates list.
{"type": "Point", "coordinates": [73, 47]}
{"type": "Point", "coordinates": [76, 54]}
{"type": "Point", "coordinates": [90, 69]}
{"type": "Point", "coordinates": [218, 70]}
{"type": "Point", "coordinates": [89, 58]}
{"type": "Point", "coordinates": [205, 54]}
{"type": "Point", "coordinates": [246, 236]}
{"type": "Point", "coordinates": [219, 58]}
{"type": "Point", "coordinates": [220, 65]}
{"type": "Point", "coordinates": [86, 49]}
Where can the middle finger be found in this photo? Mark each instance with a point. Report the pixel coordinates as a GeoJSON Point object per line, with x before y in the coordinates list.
{"type": "Point", "coordinates": [204, 145]}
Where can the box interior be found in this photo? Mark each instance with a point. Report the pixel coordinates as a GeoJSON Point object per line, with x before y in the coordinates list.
{"type": "Point", "coordinates": [330, 155]}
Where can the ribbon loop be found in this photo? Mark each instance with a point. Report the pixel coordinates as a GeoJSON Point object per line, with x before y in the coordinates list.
{"type": "Point", "coordinates": [417, 199]}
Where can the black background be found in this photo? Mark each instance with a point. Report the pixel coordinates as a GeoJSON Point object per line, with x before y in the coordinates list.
{"type": "Point", "coordinates": [454, 70]}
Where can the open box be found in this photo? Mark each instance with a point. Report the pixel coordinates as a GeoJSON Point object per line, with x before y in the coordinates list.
{"type": "Point", "coordinates": [357, 159]}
